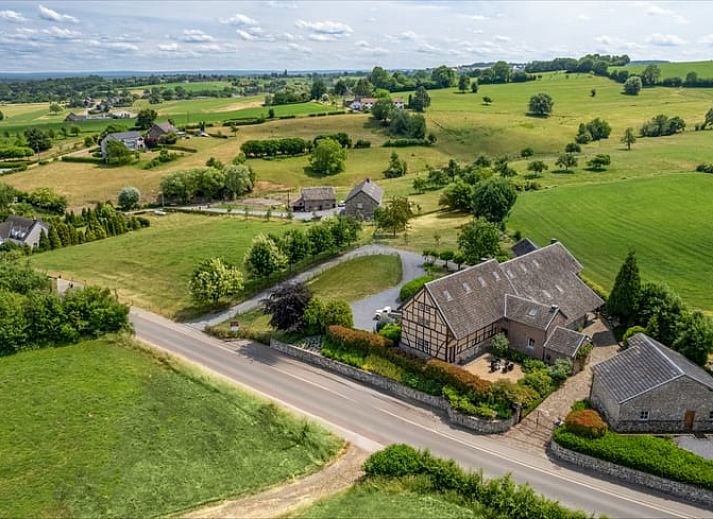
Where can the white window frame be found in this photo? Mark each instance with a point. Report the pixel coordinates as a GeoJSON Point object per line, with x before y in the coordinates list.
{"type": "Point", "coordinates": [643, 416]}
{"type": "Point", "coordinates": [710, 416]}
{"type": "Point", "coordinates": [530, 343]}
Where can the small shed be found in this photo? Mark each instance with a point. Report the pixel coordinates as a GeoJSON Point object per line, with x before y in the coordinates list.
{"type": "Point", "coordinates": [316, 199]}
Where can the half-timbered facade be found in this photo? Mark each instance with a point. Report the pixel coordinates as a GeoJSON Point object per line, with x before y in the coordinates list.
{"type": "Point", "coordinates": [531, 298]}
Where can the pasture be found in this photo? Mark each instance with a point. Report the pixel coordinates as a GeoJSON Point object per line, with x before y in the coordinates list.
{"type": "Point", "coordinates": [667, 220]}
{"type": "Point", "coordinates": [110, 428]}
{"type": "Point", "coordinates": [704, 69]}
{"type": "Point", "coordinates": [151, 268]}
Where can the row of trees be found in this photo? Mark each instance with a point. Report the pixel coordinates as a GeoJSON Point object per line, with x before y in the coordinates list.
{"type": "Point", "coordinates": [289, 146]}
{"type": "Point", "coordinates": [31, 316]}
{"type": "Point", "coordinates": [597, 63]}
{"type": "Point", "coordinates": [655, 309]}
{"type": "Point", "coordinates": [652, 76]}
{"type": "Point", "coordinates": [208, 183]}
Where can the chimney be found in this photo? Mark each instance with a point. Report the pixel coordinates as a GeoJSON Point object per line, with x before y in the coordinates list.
{"type": "Point", "coordinates": [553, 240]}
{"type": "Point", "coordinates": [368, 179]}
{"type": "Point", "coordinates": [553, 308]}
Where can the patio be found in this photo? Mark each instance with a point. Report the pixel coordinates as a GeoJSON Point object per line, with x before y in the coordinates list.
{"type": "Point", "coordinates": [480, 366]}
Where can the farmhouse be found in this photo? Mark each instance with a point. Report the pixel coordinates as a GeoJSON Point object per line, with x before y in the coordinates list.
{"type": "Point", "coordinates": [132, 140]}
{"type": "Point", "coordinates": [160, 130]}
{"type": "Point", "coordinates": [537, 299]}
{"type": "Point", "coordinates": [363, 200]}
{"type": "Point", "coordinates": [316, 199]}
{"type": "Point", "coordinates": [22, 231]}
{"type": "Point", "coordinates": [398, 102]}
{"type": "Point", "coordinates": [367, 103]}
{"type": "Point", "coordinates": [74, 118]}
{"type": "Point", "coordinates": [649, 388]}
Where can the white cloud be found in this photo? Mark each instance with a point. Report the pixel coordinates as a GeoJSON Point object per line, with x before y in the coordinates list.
{"type": "Point", "coordinates": [366, 48]}
{"type": "Point", "coordinates": [427, 48]}
{"type": "Point", "coordinates": [665, 40]}
{"type": "Point", "coordinates": [657, 10]}
{"type": "Point", "coordinates": [478, 17]}
{"type": "Point", "coordinates": [254, 34]}
{"type": "Point", "coordinates": [113, 45]}
{"type": "Point", "coordinates": [12, 16]}
{"type": "Point", "coordinates": [62, 34]}
{"type": "Point", "coordinates": [240, 20]}
{"type": "Point", "coordinates": [168, 47]}
{"type": "Point", "coordinates": [706, 40]}
{"type": "Point", "coordinates": [408, 35]}
{"type": "Point", "coordinates": [502, 38]}
{"type": "Point", "coordinates": [584, 17]}
{"type": "Point", "coordinates": [296, 47]}
{"type": "Point", "coordinates": [196, 36]}
{"type": "Point", "coordinates": [49, 14]}
{"type": "Point", "coordinates": [605, 40]}
{"type": "Point", "coordinates": [325, 31]}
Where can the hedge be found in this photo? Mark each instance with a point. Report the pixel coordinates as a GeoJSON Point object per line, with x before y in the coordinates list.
{"type": "Point", "coordinates": [410, 289]}
{"type": "Point", "coordinates": [176, 147]}
{"type": "Point", "coordinates": [402, 143]}
{"type": "Point", "coordinates": [90, 160]}
{"type": "Point", "coordinates": [657, 456]}
{"type": "Point", "coordinates": [503, 497]}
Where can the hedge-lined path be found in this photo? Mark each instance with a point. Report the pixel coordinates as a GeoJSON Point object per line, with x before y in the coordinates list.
{"type": "Point", "coordinates": [411, 263]}
{"type": "Point", "coordinates": [535, 430]}
{"type": "Point", "coordinates": [283, 499]}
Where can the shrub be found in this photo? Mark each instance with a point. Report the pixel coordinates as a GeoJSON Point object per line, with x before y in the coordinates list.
{"type": "Point", "coordinates": [408, 290]}
{"type": "Point", "coordinates": [586, 423]}
{"type": "Point", "coordinates": [560, 370]}
{"type": "Point", "coordinates": [391, 332]}
{"type": "Point", "coordinates": [90, 160]}
{"type": "Point", "coordinates": [633, 330]}
{"type": "Point", "coordinates": [402, 143]}
{"type": "Point", "coordinates": [500, 345]}
{"type": "Point", "coordinates": [362, 143]}
{"type": "Point", "coordinates": [394, 461]}
{"type": "Point", "coordinates": [705, 168]}
{"type": "Point", "coordinates": [539, 380]}
{"type": "Point", "coordinates": [460, 379]}
{"type": "Point", "coordinates": [573, 147]}
{"type": "Point", "coordinates": [358, 339]}
{"type": "Point", "coordinates": [459, 401]}
{"type": "Point", "coordinates": [527, 152]}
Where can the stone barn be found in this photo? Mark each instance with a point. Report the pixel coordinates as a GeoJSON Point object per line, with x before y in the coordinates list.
{"type": "Point", "coordinates": [649, 388]}
{"type": "Point", "coordinates": [363, 200]}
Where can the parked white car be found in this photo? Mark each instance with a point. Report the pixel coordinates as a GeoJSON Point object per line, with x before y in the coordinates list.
{"type": "Point", "coordinates": [382, 312]}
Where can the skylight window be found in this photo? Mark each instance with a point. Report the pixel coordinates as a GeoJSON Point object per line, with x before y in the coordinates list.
{"type": "Point", "coordinates": [467, 288]}
{"type": "Point", "coordinates": [532, 312]}
{"type": "Point", "coordinates": [447, 295]}
{"type": "Point", "coordinates": [496, 276]}
{"type": "Point", "coordinates": [481, 281]}
{"type": "Point", "coordinates": [523, 267]}
{"type": "Point", "coordinates": [536, 263]}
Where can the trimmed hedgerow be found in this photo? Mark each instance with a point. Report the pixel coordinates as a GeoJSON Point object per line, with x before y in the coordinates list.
{"type": "Point", "coordinates": [586, 423]}
{"type": "Point", "coordinates": [503, 497]}
{"type": "Point", "coordinates": [408, 290]}
{"type": "Point", "coordinates": [658, 456]}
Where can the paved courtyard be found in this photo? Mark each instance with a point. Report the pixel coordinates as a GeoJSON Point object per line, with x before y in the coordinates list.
{"type": "Point", "coordinates": [480, 366]}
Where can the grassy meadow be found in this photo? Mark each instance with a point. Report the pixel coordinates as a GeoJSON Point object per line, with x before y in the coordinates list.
{"type": "Point", "coordinates": [667, 219]}
{"type": "Point", "coordinates": [151, 268]}
{"type": "Point", "coordinates": [106, 428]}
{"type": "Point", "coordinates": [358, 278]}
{"type": "Point", "coordinates": [704, 69]}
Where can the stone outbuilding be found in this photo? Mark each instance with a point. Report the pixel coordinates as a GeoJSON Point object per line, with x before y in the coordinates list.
{"type": "Point", "coordinates": [316, 199]}
{"type": "Point", "coordinates": [363, 200]}
{"type": "Point", "coordinates": [649, 388]}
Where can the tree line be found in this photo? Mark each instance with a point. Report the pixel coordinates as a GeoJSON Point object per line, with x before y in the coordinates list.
{"type": "Point", "coordinates": [32, 316]}
{"type": "Point", "coordinates": [212, 182]}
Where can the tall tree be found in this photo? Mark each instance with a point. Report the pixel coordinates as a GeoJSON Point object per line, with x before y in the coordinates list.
{"type": "Point", "coordinates": [328, 157]}
{"type": "Point", "coordinates": [629, 138]}
{"type": "Point", "coordinates": [650, 76]}
{"type": "Point", "coordinates": [632, 86]}
{"type": "Point", "coordinates": [318, 89]}
{"type": "Point", "coordinates": [493, 199]}
{"type": "Point", "coordinates": [463, 83]}
{"type": "Point", "coordinates": [264, 257]}
{"type": "Point", "coordinates": [695, 340]}
{"type": "Point", "coordinates": [443, 76]}
{"type": "Point", "coordinates": [395, 215]}
{"type": "Point", "coordinates": [478, 240]}
{"type": "Point", "coordinates": [420, 100]}
{"type": "Point", "coordinates": [213, 280]}
{"type": "Point", "coordinates": [541, 105]}
{"type": "Point", "coordinates": [623, 301]}
{"type": "Point", "coordinates": [146, 118]}
{"type": "Point", "coordinates": [286, 306]}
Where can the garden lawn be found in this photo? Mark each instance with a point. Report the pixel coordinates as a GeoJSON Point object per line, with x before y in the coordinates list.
{"type": "Point", "coordinates": [358, 278]}
{"type": "Point", "coordinates": [106, 428]}
{"type": "Point", "coordinates": [389, 499]}
{"type": "Point", "coordinates": [151, 267]}
{"type": "Point", "coordinates": [667, 220]}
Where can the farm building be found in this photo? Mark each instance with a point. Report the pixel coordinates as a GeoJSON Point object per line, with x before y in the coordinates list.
{"type": "Point", "coordinates": [158, 131]}
{"type": "Point", "coordinates": [367, 103]}
{"type": "Point", "coordinates": [316, 199]}
{"type": "Point", "coordinates": [649, 388]}
{"type": "Point", "coordinates": [363, 200]}
{"type": "Point", "coordinates": [132, 140]}
{"type": "Point", "coordinates": [22, 231]}
{"type": "Point", "coordinates": [537, 299]}
{"type": "Point", "coordinates": [75, 118]}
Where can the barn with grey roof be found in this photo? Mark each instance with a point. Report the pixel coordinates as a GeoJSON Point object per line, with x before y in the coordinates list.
{"type": "Point", "coordinates": [649, 388]}
{"type": "Point", "coordinates": [533, 298]}
{"type": "Point", "coordinates": [363, 200]}
{"type": "Point", "coordinates": [316, 199]}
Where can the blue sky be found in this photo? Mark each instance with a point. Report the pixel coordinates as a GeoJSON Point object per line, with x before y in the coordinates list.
{"type": "Point", "coordinates": [146, 35]}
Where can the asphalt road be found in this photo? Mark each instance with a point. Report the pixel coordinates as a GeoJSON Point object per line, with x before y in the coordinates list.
{"type": "Point", "coordinates": [371, 420]}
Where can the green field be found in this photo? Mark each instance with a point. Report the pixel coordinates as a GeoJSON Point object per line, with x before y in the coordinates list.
{"type": "Point", "coordinates": [383, 499]}
{"type": "Point", "coordinates": [704, 69]}
{"type": "Point", "coordinates": [107, 429]}
{"type": "Point", "coordinates": [668, 220]}
{"type": "Point", "coordinates": [151, 268]}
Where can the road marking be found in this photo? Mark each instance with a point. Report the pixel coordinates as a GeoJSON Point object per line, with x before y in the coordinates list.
{"type": "Point", "coordinates": [534, 467]}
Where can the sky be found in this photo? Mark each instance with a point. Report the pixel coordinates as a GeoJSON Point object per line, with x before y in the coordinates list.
{"type": "Point", "coordinates": [286, 34]}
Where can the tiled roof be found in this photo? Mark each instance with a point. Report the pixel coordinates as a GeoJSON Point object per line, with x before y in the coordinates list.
{"type": "Point", "coordinates": [472, 298]}
{"type": "Point", "coordinates": [121, 136]}
{"type": "Point", "coordinates": [319, 193]}
{"type": "Point", "coordinates": [529, 312]}
{"type": "Point", "coordinates": [370, 188]}
{"type": "Point", "coordinates": [17, 227]}
{"type": "Point", "coordinates": [565, 341]}
{"type": "Point", "coordinates": [645, 365]}
{"type": "Point", "coordinates": [523, 247]}
{"type": "Point", "coordinates": [166, 126]}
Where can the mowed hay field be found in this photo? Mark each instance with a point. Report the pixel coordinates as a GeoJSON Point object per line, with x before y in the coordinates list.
{"type": "Point", "coordinates": [106, 428]}
{"type": "Point", "coordinates": [151, 267]}
{"type": "Point", "coordinates": [667, 220]}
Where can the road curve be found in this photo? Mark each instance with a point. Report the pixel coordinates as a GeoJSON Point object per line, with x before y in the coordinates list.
{"type": "Point", "coordinates": [371, 420]}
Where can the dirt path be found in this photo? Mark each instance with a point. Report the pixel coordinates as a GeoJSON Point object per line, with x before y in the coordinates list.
{"type": "Point", "coordinates": [278, 501]}
{"type": "Point", "coordinates": [536, 428]}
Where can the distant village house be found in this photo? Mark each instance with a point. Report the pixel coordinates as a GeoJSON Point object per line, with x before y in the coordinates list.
{"type": "Point", "coordinates": [22, 231]}
{"type": "Point", "coordinates": [159, 131]}
{"type": "Point", "coordinates": [133, 140]}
